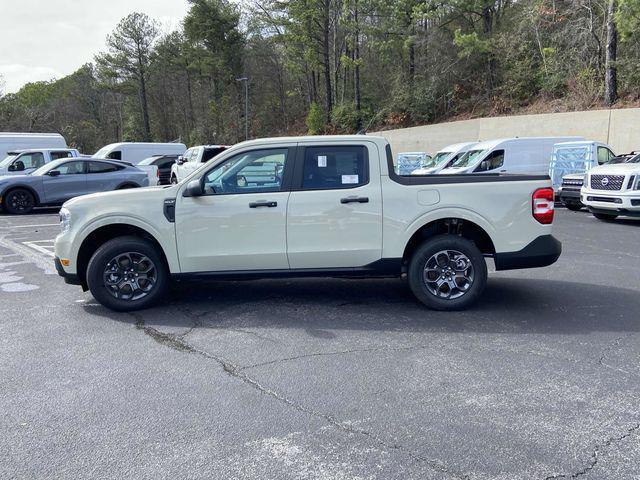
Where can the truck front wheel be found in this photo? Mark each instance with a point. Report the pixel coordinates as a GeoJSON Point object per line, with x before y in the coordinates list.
{"type": "Point", "coordinates": [447, 272]}
{"type": "Point", "coordinates": [126, 274]}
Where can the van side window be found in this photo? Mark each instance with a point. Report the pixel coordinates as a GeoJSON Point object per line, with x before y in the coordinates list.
{"type": "Point", "coordinates": [29, 160]}
{"type": "Point", "coordinates": [604, 155]}
{"type": "Point", "coordinates": [117, 155]}
{"type": "Point", "coordinates": [335, 167]}
{"type": "Point", "coordinates": [58, 155]}
{"type": "Point", "coordinates": [494, 160]}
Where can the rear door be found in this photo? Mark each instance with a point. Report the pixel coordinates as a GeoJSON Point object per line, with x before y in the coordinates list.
{"type": "Point", "coordinates": [334, 218]}
{"type": "Point", "coordinates": [71, 182]}
{"type": "Point", "coordinates": [103, 176]}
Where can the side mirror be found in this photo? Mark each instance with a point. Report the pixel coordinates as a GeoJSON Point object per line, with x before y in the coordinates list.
{"type": "Point", "coordinates": [484, 166]}
{"type": "Point", "coordinates": [54, 173]}
{"type": "Point", "coordinates": [12, 168]}
{"type": "Point", "coordinates": [180, 160]}
{"type": "Point", "coordinates": [194, 189]}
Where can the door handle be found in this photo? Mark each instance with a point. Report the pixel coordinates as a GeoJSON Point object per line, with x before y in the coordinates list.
{"type": "Point", "coordinates": [354, 200]}
{"type": "Point", "coordinates": [263, 204]}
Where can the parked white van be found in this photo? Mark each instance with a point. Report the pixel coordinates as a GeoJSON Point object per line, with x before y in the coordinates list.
{"type": "Point", "coordinates": [530, 155]}
{"type": "Point", "coordinates": [445, 158]}
{"type": "Point", "coordinates": [135, 152]}
{"type": "Point", "coordinates": [10, 141]}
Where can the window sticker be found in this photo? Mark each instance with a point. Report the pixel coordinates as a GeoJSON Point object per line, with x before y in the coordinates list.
{"type": "Point", "coordinates": [350, 179]}
{"type": "Point", "coordinates": [322, 160]}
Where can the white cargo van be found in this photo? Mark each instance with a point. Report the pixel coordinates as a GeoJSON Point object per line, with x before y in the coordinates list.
{"type": "Point", "coordinates": [444, 158]}
{"type": "Point", "coordinates": [135, 152]}
{"type": "Point", "coordinates": [23, 141]}
{"type": "Point", "coordinates": [530, 155]}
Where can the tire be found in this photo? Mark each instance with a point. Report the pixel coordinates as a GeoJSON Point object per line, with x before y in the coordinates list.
{"type": "Point", "coordinates": [605, 217]}
{"type": "Point", "coordinates": [469, 282]}
{"type": "Point", "coordinates": [574, 207]}
{"type": "Point", "coordinates": [127, 186]}
{"type": "Point", "coordinates": [132, 255]}
{"type": "Point", "coordinates": [19, 201]}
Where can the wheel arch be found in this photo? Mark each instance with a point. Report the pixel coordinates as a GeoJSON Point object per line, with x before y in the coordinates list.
{"type": "Point", "coordinates": [31, 190]}
{"type": "Point", "coordinates": [104, 233]}
{"type": "Point", "coordinates": [127, 184]}
{"type": "Point", "coordinates": [453, 225]}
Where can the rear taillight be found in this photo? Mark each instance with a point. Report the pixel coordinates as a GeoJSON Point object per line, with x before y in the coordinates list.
{"type": "Point", "coordinates": [543, 207]}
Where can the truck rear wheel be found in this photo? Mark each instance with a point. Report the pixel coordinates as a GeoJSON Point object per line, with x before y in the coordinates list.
{"type": "Point", "coordinates": [126, 274]}
{"type": "Point", "coordinates": [447, 272]}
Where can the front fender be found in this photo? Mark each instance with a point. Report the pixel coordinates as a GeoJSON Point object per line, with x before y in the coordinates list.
{"type": "Point", "coordinates": [165, 236]}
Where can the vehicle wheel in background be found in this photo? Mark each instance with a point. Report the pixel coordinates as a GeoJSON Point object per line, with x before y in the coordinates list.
{"type": "Point", "coordinates": [574, 207]}
{"type": "Point", "coordinates": [126, 274]}
{"type": "Point", "coordinates": [19, 201]}
{"type": "Point", "coordinates": [447, 272]}
{"type": "Point", "coordinates": [605, 216]}
{"type": "Point", "coordinates": [127, 186]}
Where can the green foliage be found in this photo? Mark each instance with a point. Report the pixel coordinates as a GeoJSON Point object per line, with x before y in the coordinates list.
{"type": "Point", "coordinates": [315, 120]}
{"type": "Point", "coordinates": [470, 44]}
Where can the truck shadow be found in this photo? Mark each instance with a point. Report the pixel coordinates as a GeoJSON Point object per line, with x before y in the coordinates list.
{"type": "Point", "coordinates": [321, 306]}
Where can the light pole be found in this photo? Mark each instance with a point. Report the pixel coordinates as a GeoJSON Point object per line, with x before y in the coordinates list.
{"type": "Point", "coordinates": [246, 105]}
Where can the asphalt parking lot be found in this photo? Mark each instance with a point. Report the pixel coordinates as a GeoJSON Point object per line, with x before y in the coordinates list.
{"type": "Point", "coordinates": [325, 379]}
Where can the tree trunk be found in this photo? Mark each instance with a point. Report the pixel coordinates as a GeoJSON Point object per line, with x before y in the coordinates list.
{"type": "Point", "coordinates": [611, 71]}
{"type": "Point", "coordinates": [356, 70]}
{"type": "Point", "coordinates": [146, 127]}
{"type": "Point", "coordinates": [326, 60]}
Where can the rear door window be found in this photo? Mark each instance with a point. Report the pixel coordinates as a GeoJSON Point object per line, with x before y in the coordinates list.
{"type": "Point", "coordinates": [335, 167]}
{"type": "Point", "coordinates": [102, 167]}
{"type": "Point", "coordinates": [59, 155]}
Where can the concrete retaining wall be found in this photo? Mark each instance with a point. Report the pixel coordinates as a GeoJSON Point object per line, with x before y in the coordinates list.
{"type": "Point", "coordinates": [618, 128]}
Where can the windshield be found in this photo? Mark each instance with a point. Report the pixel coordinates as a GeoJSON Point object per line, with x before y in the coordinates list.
{"type": "Point", "coordinates": [102, 153]}
{"type": "Point", "coordinates": [46, 167]}
{"type": "Point", "coordinates": [437, 160]}
{"type": "Point", "coordinates": [8, 160]}
{"type": "Point", "coordinates": [149, 161]}
{"type": "Point", "coordinates": [468, 158]}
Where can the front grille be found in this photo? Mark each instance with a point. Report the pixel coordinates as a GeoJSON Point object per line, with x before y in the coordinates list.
{"type": "Point", "coordinates": [607, 182]}
{"type": "Point", "coordinates": [572, 183]}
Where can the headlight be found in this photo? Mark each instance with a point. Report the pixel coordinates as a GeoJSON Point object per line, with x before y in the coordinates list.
{"type": "Point", "coordinates": [65, 220]}
{"type": "Point", "coordinates": [637, 186]}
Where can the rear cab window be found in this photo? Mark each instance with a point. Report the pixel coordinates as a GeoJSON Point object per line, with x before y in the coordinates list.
{"type": "Point", "coordinates": [335, 167]}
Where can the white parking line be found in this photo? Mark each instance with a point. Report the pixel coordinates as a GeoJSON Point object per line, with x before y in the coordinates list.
{"type": "Point", "coordinates": [36, 226]}
{"type": "Point", "coordinates": [46, 249]}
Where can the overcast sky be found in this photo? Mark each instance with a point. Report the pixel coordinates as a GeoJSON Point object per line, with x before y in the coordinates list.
{"type": "Point", "coordinates": [46, 39]}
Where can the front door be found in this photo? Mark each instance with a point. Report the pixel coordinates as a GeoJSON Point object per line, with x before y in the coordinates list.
{"type": "Point", "coordinates": [240, 222]}
{"type": "Point", "coordinates": [71, 182]}
{"type": "Point", "coordinates": [335, 211]}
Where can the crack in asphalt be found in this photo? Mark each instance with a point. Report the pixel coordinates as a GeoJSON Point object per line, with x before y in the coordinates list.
{"type": "Point", "coordinates": [178, 342]}
{"type": "Point", "coordinates": [603, 357]}
{"type": "Point", "coordinates": [595, 456]}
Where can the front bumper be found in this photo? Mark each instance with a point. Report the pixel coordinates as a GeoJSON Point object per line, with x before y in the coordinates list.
{"type": "Point", "coordinates": [625, 202]}
{"type": "Point", "coordinates": [541, 252]}
{"type": "Point", "coordinates": [568, 195]}
{"type": "Point", "coordinates": [70, 278]}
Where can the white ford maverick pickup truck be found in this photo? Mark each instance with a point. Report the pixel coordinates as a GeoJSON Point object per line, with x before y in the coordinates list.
{"type": "Point", "coordinates": [307, 206]}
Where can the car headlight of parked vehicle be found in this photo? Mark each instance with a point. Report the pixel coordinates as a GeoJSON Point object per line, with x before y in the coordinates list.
{"type": "Point", "coordinates": [65, 220]}
{"type": "Point", "coordinates": [637, 183]}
